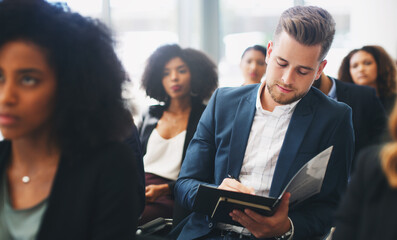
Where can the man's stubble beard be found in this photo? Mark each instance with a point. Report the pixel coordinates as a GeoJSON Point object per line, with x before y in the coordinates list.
{"type": "Point", "coordinates": [278, 97]}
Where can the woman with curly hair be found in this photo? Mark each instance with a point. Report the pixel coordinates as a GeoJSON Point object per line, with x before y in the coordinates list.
{"type": "Point", "coordinates": [180, 79]}
{"type": "Point", "coordinates": [372, 66]}
{"type": "Point", "coordinates": [64, 171]}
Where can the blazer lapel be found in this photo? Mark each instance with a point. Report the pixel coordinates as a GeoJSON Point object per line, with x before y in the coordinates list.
{"type": "Point", "coordinates": [241, 129]}
{"type": "Point", "coordinates": [300, 122]}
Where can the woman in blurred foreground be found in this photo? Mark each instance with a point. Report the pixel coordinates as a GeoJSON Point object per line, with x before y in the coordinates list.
{"type": "Point", "coordinates": [64, 172]}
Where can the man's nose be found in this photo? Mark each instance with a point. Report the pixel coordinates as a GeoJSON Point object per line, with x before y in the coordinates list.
{"type": "Point", "coordinates": [288, 76]}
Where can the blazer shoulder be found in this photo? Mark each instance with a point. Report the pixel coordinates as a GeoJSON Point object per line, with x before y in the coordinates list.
{"type": "Point", "coordinates": [355, 89]}
{"type": "Point", "coordinates": [112, 156]}
{"type": "Point", "coordinates": [234, 93]}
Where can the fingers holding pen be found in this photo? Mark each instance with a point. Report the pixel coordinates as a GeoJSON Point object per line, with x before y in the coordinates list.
{"type": "Point", "coordinates": [232, 184]}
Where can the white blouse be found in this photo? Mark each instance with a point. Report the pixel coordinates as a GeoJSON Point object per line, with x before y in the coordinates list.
{"type": "Point", "coordinates": [164, 156]}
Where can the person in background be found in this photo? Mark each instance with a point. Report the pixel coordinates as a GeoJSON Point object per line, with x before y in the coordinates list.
{"type": "Point", "coordinates": [180, 79]}
{"type": "Point", "coordinates": [368, 209]}
{"type": "Point", "coordinates": [253, 64]}
{"type": "Point", "coordinates": [262, 134]}
{"type": "Point", "coordinates": [65, 173]}
{"type": "Point", "coordinates": [369, 116]}
{"type": "Point", "coordinates": [371, 66]}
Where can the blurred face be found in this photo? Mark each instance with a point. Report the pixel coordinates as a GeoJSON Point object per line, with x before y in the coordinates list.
{"type": "Point", "coordinates": [363, 69]}
{"type": "Point", "coordinates": [253, 66]}
{"type": "Point", "coordinates": [291, 70]}
{"type": "Point", "coordinates": [27, 91]}
{"type": "Point", "coordinates": [176, 79]}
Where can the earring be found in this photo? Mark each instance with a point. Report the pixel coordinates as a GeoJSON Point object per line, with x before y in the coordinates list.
{"type": "Point", "coordinates": [193, 94]}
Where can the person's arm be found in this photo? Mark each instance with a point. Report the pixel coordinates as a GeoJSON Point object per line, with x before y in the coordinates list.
{"type": "Point", "coordinates": [350, 211]}
{"type": "Point", "coordinates": [198, 165]}
{"type": "Point", "coordinates": [134, 143]}
{"type": "Point", "coordinates": [116, 209]}
{"type": "Point", "coordinates": [378, 120]}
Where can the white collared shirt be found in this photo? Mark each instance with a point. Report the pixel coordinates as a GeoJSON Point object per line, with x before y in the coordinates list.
{"type": "Point", "coordinates": [263, 148]}
{"type": "Point", "coordinates": [264, 144]}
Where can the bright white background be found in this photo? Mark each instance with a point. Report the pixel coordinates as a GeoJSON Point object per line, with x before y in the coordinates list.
{"type": "Point", "coordinates": [224, 28]}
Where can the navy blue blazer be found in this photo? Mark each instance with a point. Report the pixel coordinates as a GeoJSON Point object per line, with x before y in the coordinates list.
{"type": "Point", "coordinates": [218, 146]}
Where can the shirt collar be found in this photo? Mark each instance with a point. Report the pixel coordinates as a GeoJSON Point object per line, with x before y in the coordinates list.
{"type": "Point", "coordinates": [289, 108]}
{"type": "Point", "coordinates": [332, 91]}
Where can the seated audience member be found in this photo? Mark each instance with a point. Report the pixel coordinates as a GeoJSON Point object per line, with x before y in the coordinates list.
{"type": "Point", "coordinates": [262, 134]}
{"type": "Point", "coordinates": [369, 117]}
{"type": "Point", "coordinates": [65, 173]}
{"type": "Point", "coordinates": [253, 64]}
{"type": "Point", "coordinates": [134, 143]}
{"type": "Point", "coordinates": [368, 210]}
{"type": "Point", "coordinates": [371, 66]}
{"type": "Point", "coordinates": [181, 79]}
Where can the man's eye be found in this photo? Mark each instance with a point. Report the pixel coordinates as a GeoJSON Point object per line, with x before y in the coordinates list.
{"type": "Point", "coordinates": [282, 65]}
{"type": "Point", "coordinates": [302, 73]}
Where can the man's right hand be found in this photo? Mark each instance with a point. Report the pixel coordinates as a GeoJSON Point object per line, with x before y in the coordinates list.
{"type": "Point", "coordinates": [231, 184]}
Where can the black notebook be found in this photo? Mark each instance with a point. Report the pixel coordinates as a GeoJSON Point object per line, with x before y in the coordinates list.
{"type": "Point", "coordinates": [218, 203]}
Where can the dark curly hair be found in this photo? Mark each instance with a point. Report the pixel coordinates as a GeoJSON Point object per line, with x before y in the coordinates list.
{"type": "Point", "coordinates": [89, 108]}
{"type": "Point", "coordinates": [203, 72]}
{"type": "Point", "coordinates": [387, 74]}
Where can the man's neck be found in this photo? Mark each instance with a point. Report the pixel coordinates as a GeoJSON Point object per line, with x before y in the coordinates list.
{"type": "Point", "coordinates": [267, 101]}
{"type": "Point", "coordinates": [326, 84]}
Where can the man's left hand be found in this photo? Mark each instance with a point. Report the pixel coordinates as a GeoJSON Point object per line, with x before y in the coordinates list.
{"type": "Point", "coordinates": [261, 226]}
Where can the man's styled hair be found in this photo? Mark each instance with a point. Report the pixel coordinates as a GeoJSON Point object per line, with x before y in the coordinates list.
{"type": "Point", "coordinates": [309, 25]}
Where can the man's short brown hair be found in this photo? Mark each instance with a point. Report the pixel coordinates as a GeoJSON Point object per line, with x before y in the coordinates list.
{"type": "Point", "coordinates": [309, 25]}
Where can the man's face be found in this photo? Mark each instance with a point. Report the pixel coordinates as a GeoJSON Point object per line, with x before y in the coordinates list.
{"type": "Point", "coordinates": [291, 70]}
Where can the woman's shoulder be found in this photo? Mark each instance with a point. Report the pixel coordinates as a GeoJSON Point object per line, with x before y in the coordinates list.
{"type": "Point", "coordinates": [111, 156]}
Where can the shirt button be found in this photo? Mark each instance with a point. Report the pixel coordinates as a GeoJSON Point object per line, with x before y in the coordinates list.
{"type": "Point", "coordinates": [210, 225]}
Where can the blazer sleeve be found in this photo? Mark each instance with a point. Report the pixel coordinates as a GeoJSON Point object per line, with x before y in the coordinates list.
{"type": "Point", "coordinates": [198, 165]}
{"type": "Point", "coordinates": [314, 216]}
{"type": "Point", "coordinates": [116, 207]}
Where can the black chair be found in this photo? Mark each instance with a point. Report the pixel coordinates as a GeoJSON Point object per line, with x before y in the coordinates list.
{"type": "Point", "coordinates": [160, 227]}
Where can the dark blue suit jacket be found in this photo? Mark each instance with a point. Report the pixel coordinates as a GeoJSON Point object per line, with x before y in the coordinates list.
{"type": "Point", "coordinates": [218, 146]}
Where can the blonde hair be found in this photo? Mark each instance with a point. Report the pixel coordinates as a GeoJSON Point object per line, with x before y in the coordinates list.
{"type": "Point", "coordinates": [388, 154]}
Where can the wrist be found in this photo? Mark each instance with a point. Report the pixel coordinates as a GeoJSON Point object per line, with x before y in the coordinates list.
{"type": "Point", "coordinates": [288, 234]}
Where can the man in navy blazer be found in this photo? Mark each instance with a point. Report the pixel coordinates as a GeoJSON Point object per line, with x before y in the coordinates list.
{"type": "Point", "coordinates": [263, 134]}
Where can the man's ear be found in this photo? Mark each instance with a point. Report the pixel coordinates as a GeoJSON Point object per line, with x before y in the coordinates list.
{"type": "Point", "coordinates": [269, 51]}
{"type": "Point", "coordinates": [321, 68]}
